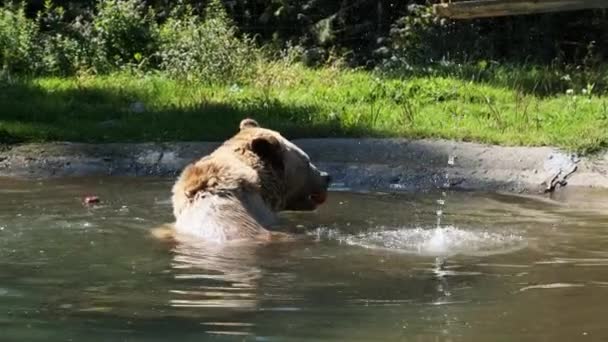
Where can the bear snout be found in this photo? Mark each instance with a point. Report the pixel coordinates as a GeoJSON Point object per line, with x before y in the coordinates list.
{"type": "Point", "coordinates": [326, 178]}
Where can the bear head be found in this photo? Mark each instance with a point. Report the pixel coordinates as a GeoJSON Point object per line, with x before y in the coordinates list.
{"type": "Point", "coordinates": [288, 178]}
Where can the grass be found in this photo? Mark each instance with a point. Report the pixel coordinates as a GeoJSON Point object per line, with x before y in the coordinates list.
{"type": "Point", "coordinates": [300, 102]}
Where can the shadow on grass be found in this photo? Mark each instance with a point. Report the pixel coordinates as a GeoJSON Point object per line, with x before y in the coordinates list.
{"type": "Point", "coordinates": [31, 113]}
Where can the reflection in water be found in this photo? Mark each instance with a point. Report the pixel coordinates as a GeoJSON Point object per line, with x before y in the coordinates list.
{"type": "Point", "coordinates": [226, 275]}
{"type": "Point", "coordinates": [212, 276]}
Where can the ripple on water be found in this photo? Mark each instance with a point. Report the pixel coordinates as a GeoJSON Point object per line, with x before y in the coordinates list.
{"type": "Point", "coordinates": [550, 286]}
{"type": "Point", "coordinates": [441, 242]}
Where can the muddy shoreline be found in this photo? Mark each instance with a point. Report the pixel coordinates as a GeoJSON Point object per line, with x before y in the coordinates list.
{"type": "Point", "coordinates": [371, 164]}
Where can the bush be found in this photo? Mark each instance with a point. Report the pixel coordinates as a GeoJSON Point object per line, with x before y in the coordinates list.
{"type": "Point", "coordinates": [540, 39]}
{"type": "Point", "coordinates": [17, 39]}
{"type": "Point", "coordinates": [126, 32]}
{"type": "Point", "coordinates": [207, 50]}
{"type": "Point", "coordinates": [122, 33]}
{"type": "Point", "coordinates": [78, 47]}
{"type": "Point", "coordinates": [59, 52]}
{"type": "Point", "coordinates": [421, 37]}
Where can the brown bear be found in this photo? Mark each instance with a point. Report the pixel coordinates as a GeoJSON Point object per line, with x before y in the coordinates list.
{"type": "Point", "coordinates": [234, 193]}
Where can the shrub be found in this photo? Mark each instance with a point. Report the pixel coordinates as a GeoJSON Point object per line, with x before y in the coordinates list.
{"type": "Point", "coordinates": [57, 51]}
{"type": "Point", "coordinates": [126, 32]}
{"type": "Point", "coordinates": [17, 39]}
{"type": "Point", "coordinates": [207, 50]}
{"type": "Point", "coordinates": [421, 37]}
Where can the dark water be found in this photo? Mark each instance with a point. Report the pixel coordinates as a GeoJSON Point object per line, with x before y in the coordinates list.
{"type": "Point", "coordinates": [511, 269]}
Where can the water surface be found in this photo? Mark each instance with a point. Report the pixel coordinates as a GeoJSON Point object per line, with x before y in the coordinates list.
{"type": "Point", "coordinates": [374, 267]}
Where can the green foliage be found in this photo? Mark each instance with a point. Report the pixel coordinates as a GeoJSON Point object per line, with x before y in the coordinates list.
{"type": "Point", "coordinates": [126, 31]}
{"type": "Point", "coordinates": [421, 37]}
{"type": "Point", "coordinates": [210, 41]}
{"type": "Point", "coordinates": [206, 50]}
{"type": "Point", "coordinates": [17, 39]}
{"type": "Point", "coordinates": [363, 30]}
{"type": "Point", "coordinates": [495, 80]}
{"type": "Point", "coordinates": [555, 39]}
{"type": "Point", "coordinates": [58, 51]}
{"type": "Point", "coordinates": [124, 34]}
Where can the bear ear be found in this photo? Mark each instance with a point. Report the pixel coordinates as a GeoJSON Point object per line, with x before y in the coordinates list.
{"type": "Point", "coordinates": [248, 123]}
{"type": "Point", "coordinates": [269, 149]}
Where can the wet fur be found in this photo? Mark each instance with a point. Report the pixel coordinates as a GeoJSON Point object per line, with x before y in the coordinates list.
{"type": "Point", "coordinates": [234, 193]}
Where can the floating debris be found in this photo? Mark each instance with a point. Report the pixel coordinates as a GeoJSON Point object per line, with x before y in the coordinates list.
{"type": "Point", "coordinates": [89, 200]}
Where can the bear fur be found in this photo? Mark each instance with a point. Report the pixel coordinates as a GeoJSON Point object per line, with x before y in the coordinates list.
{"type": "Point", "coordinates": [234, 193]}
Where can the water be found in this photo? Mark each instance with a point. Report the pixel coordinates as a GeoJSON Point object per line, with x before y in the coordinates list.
{"type": "Point", "coordinates": [511, 269]}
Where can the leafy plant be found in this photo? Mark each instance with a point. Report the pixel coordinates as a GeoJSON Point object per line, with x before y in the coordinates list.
{"type": "Point", "coordinates": [17, 39]}
{"type": "Point", "coordinates": [206, 50]}
{"type": "Point", "coordinates": [126, 31]}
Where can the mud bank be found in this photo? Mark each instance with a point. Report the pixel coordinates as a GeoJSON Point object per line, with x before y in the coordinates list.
{"type": "Point", "coordinates": [374, 164]}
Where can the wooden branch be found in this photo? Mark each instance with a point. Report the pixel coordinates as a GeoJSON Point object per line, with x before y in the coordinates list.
{"type": "Point", "coordinates": [498, 8]}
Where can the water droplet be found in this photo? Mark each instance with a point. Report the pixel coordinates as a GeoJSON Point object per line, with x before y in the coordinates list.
{"type": "Point", "coordinates": [451, 160]}
{"type": "Point", "coordinates": [397, 186]}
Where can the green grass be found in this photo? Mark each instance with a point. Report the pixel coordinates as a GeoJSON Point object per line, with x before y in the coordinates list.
{"type": "Point", "coordinates": [300, 102]}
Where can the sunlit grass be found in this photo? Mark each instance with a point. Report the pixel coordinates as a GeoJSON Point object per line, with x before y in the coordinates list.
{"type": "Point", "coordinates": [301, 102]}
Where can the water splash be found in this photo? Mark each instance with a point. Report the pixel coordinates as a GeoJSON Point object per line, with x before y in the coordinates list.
{"type": "Point", "coordinates": [446, 185]}
{"type": "Point", "coordinates": [439, 242]}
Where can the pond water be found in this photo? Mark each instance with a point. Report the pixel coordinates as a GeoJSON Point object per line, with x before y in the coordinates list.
{"type": "Point", "coordinates": [374, 267]}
